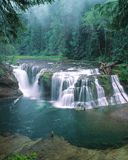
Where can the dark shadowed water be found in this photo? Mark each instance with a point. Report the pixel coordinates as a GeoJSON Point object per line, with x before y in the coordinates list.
{"type": "Point", "coordinates": [34, 118]}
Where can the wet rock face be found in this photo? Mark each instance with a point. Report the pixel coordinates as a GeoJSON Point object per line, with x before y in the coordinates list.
{"type": "Point", "coordinates": [88, 85]}
{"type": "Point", "coordinates": [8, 83]}
{"type": "Point", "coordinates": [104, 81]}
{"type": "Point", "coordinates": [45, 82]}
{"type": "Point", "coordinates": [120, 114]}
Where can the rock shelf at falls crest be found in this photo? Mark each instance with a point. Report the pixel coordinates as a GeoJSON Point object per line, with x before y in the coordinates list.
{"type": "Point", "coordinates": [71, 88]}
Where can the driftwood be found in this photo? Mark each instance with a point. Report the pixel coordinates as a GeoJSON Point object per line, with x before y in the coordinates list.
{"type": "Point", "coordinates": [106, 68]}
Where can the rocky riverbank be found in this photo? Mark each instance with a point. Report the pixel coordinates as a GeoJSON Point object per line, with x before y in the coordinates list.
{"type": "Point", "coordinates": [8, 84]}
{"type": "Point", "coordinates": [55, 148]}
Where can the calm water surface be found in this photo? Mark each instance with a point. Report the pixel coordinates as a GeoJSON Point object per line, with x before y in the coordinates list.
{"type": "Point", "coordinates": [36, 118]}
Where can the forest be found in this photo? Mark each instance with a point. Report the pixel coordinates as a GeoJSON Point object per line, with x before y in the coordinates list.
{"type": "Point", "coordinates": [63, 79]}
{"type": "Point", "coordinates": [94, 30]}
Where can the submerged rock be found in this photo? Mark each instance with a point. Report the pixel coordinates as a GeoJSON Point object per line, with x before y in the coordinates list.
{"type": "Point", "coordinates": [120, 114]}
{"type": "Point", "coordinates": [8, 84]}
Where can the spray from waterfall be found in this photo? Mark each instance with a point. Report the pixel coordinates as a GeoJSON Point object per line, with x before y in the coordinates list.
{"type": "Point", "coordinates": [29, 90]}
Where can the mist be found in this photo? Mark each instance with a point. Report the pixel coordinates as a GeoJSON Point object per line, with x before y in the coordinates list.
{"type": "Point", "coordinates": [54, 28]}
{"type": "Point", "coordinates": [71, 8]}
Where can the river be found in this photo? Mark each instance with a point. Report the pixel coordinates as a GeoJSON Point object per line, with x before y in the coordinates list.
{"type": "Point", "coordinates": [37, 118]}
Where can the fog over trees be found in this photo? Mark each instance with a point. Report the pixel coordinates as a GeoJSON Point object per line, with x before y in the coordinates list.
{"type": "Point", "coordinates": [75, 29]}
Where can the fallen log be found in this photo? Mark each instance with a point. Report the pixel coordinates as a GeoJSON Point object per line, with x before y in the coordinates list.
{"type": "Point", "coordinates": [106, 68]}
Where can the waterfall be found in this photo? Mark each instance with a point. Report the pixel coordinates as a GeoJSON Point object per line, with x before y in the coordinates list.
{"type": "Point", "coordinates": [28, 89]}
{"type": "Point", "coordinates": [63, 88]}
{"type": "Point", "coordinates": [85, 96]}
{"type": "Point", "coordinates": [73, 88]}
{"type": "Point", "coordinates": [82, 89]}
{"type": "Point", "coordinates": [102, 101]}
{"type": "Point", "coordinates": [119, 95]}
{"type": "Point", "coordinates": [32, 71]}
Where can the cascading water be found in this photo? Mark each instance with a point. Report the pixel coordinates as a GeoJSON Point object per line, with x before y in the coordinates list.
{"type": "Point", "coordinates": [82, 89]}
{"type": "Point", "coordinates": [22, 78]}
{"type": "Point", "coordinates": [119, 97]}
{"type": "Point", "coordinates": [28, 89]}
{"type": "Point", "coordinates": [72, 88]}
{"type": "Point", "coordinates": [85, 95]}
{"type": "Point", "coordinates": [102, 101]}
{"type": "Point", "coordinates": [64, 86]}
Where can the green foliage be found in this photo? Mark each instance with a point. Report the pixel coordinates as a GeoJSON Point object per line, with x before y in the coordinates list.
{"type": "Point", "coordinates": [97, 41]}
{"type": "Point", "coordinates": [97, 32]}
{"type": "Point", "coordinates": [46, 79]}
{"type": "Point", "coordinates": [104, 58]}
{"type": "Point", "coordinates": [68, 36]}
{"type": "Point", "coordinates": [120, 20]}
{"type": "Point", "coordinates": [108, 12]}
{"type": "Point", "coordinates": [122, 71]}
{"type": "Point", "coordinates": [9, 16]}
{"type": "Point", "coordinates": [105, 83]}
{"type": "Point", "coordinates": [113, 45]}
{"type": "Point", "coordinates": [32, 156]}
{"type": "Point", "coordinates": [45, 84]}
{"type": "Point", "coordinates": [1, 72]}
{"type": "Point", "coordinates": [117, 11]}
{"type": "Point", "coordinates": [1, 59]}
{"type": "Point", "coordinates": [7, 49]}
{"type": "Point", "coordinates": [93, 19]}
{"type": "Point", "coordinates": [120, 46]}
{"type": "Point", "coordinates": [14, 59]}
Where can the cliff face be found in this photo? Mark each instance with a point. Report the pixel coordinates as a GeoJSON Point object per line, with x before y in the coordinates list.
{"type": "Point", "coordinates": [8, 84]}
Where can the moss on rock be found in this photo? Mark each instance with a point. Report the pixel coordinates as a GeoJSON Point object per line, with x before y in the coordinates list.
{"type": "Point", "coordinates": [45, 82]}
{"type": "Point", "coordinates": [105, 82]}
{"type": "Point", "coordinates": [4, 70]}
{"type": "Point", "coordinates": [122, 72]}
{"type": "Point", "coordinates": [1, 72]}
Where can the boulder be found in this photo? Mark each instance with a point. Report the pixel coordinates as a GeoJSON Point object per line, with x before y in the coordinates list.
{"type": "Point", "coordinates": [8, 84]}
{"type": "Point", "coordinates": [45, 82]}
{"type": "Point", "coordinates": [105, 82]}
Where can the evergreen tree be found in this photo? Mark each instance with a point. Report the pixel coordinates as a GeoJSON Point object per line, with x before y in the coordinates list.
{"type": "Point", "coordinates": [9, 16]}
